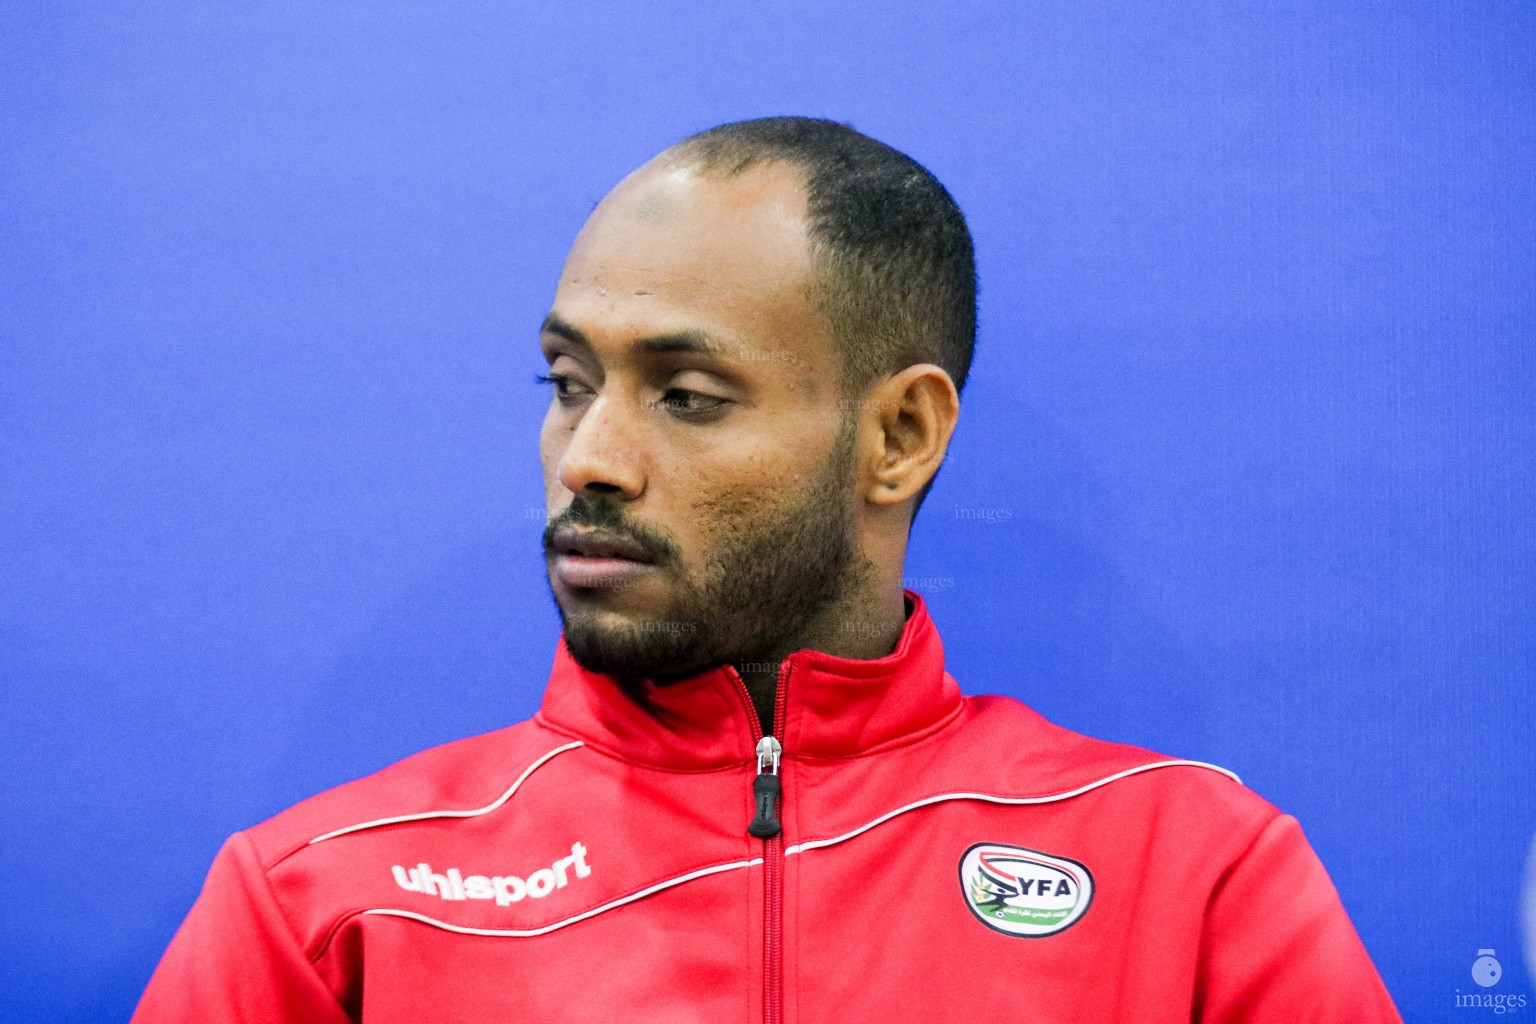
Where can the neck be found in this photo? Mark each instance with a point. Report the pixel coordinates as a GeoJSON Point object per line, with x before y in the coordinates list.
{"type": "Point", "coordinates": [862, 626]}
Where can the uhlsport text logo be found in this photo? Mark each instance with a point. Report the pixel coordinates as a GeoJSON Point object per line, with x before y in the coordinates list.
{"type": "Point", "coordinates": [1024, 892]}
{"type": "Point", "coordinates": [453, 884]}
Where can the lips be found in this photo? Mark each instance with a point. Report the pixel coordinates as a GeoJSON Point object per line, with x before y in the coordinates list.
{"type": "Point", "coordinates": [597, 544]}
{"type": "Point", "coordinates": [591, 565]}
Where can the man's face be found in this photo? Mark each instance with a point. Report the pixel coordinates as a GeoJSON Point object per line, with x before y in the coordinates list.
{"type": "Point", "coordinates": [698, 475]}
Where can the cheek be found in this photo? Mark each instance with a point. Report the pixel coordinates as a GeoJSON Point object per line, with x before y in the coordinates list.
{"type": "Point", "coordinates": [725, 512]}
{"type": "Point", "coordinates": [552, 439]}
{"type": "Point", "coordinates": [731, 506]}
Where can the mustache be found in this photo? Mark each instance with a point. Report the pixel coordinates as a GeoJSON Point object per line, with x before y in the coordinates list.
{"type": "Point", "coordinates": [606, 516]}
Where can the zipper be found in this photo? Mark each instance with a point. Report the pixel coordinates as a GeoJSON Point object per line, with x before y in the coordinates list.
{"type": "Point", "coordinates": [767, 796]}
{"type": "Point", "coordinates": [766, 790]}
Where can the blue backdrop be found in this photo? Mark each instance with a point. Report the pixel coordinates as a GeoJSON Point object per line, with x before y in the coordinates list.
{"type": "Point", "coordinates": [1244, 471]}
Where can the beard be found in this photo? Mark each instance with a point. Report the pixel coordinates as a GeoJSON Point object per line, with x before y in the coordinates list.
{"type": "Point", "coordinates": [765, 581]}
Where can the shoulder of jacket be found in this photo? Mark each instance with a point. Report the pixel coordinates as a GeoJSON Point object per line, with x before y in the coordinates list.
{"type": "Point", "coordinates": [1032, 753]}
{"type": "Point", "coordinates": [465, 773]}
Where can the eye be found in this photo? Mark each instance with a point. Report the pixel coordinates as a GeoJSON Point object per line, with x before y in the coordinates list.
{"type": "Point", "coordinates": [563, 386]}
{"type": "Point", "coordinates": [693, 404]}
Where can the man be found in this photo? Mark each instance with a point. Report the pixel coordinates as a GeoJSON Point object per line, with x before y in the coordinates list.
{"type": "Point", "coordinates": [752, 792]}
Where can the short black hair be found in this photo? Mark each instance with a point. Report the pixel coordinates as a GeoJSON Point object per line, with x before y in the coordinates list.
{"type": "Point", "coordinates": [895, 264]}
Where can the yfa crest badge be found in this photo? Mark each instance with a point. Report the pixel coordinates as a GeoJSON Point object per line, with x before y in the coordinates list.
{"type": "Point", "coordinates": [1024, 892]}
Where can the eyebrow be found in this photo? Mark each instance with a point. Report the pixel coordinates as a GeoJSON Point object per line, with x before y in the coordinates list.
{"type": "Point", "coordinates": [701, 342]}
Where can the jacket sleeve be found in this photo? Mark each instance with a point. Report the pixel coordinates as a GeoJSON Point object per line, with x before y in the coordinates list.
{"type": "Point", "coordinates": [1278, 946]}
{"type": "Point", "coordinates": [235, 957]}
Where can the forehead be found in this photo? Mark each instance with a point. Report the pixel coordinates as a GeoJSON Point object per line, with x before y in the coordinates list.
{"type": "Point", "coordinates": [672, 248]}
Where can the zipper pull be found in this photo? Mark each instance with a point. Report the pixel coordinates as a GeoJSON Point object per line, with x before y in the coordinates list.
{"type": "Point", "coordinates": [766, 789]}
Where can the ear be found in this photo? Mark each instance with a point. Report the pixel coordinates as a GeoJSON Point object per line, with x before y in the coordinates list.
{"type": "Point", "coordinates": [913, 416]}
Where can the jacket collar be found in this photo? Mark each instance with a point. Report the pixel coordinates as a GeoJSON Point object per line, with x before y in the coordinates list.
{"type": "Point", "coordinates": [832, 707]}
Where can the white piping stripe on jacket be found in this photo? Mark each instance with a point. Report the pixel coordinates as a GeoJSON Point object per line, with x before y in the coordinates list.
{"type": "Point", "coordinates": [488, 808]}
{"type": "Point", "coordinates": [797, 848]}
{"type": "Point", "coordinates": [514, 933]}
{"type": "Point", "coordinates": [816, 844]}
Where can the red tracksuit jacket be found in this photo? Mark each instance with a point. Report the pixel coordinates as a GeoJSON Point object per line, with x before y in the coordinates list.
{"type": "Point", "coordinates": [923, 856]}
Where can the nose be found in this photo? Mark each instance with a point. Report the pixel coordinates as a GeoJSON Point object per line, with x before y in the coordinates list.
{"type": "Point", "coordinates": [602, 454]}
